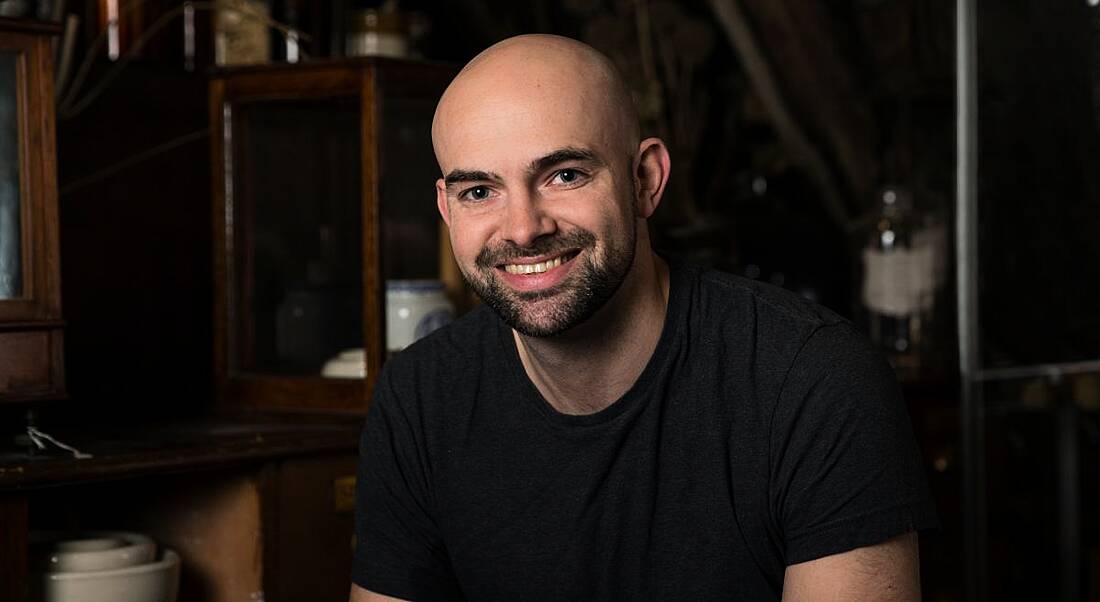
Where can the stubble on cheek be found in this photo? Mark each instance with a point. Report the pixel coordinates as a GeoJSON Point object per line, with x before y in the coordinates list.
{"type": "Point", "coordinates": [599, 271]}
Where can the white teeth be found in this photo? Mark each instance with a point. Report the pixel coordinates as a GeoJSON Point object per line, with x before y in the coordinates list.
{"type": "Point", "coordinates": [532, 268]}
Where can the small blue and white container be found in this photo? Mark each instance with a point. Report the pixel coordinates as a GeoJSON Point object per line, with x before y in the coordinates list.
{"type": "Point", "coordinates": [414, 308]}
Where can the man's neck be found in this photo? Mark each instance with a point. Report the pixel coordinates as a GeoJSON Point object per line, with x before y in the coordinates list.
{"type": "Point", "coordinates": [588, 368]}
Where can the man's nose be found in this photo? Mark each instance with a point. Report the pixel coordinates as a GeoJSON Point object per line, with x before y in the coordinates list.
{"type": "Point", "coordinates": [526, 219]}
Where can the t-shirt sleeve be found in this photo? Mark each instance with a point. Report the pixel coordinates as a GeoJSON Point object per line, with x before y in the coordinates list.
{"type": "Point", "coordinates": [845, 468]}
{"type": "Point", "coordinates": [399, 551]}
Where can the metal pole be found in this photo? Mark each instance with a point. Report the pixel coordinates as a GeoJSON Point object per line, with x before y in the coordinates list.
{"type": "Point", "coordinates": [972, 414]}
{"type": "Point", "coordinates": [1067, 427]}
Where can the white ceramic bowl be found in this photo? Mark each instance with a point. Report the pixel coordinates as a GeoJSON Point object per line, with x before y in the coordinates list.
{"type": "Point", "coordinates": [351, 363]}
{"type": "Point", "coordinates": [96, 551]}
{"type": "Point", "coordinates": [151, 582]}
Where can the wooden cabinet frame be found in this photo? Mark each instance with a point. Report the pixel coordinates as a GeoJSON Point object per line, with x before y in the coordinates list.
{"type": "Point", "coordinates": [31, 352]}
{"type": "Point", "coordinates": [367, 82]}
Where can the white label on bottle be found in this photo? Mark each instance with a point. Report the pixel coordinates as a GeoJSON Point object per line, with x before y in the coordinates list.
{"type": "Point", "coordinates": [373, 43]}
{"type": "Point", "coordinates": [900, 282]}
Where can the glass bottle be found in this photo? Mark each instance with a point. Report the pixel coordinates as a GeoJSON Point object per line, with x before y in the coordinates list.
{"type": "Point", "coordinates": [899, 281]}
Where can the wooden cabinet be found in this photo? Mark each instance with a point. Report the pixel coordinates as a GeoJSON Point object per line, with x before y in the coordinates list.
{"type": "Point", "coordinates": [255, 509]}
{"type": "Point", "coordinates": [323, 191]}
{"type": "Point", "coordinates": [30, 291]}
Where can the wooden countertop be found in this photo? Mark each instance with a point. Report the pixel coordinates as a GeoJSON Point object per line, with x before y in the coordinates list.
{"type": "Point", "coordinates": [125, 451]}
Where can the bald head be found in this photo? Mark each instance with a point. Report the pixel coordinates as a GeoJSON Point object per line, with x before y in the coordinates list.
{"type": "Point", "coordinates": [537, 79]}
{"type": "Point", "coordinates": [546, 184]}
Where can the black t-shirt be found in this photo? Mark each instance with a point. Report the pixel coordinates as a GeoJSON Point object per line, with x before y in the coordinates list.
{"type": "Point", "coordinates": [763, 432]}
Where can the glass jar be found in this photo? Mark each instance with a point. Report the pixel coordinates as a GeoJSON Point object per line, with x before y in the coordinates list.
{"type": "Point", "coordinates": [378, 32]}
{"type": "Point", "coordinates": [414, 309]}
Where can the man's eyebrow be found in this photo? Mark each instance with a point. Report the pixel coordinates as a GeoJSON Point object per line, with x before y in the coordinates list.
{"type": "Point", "coordinates": [465, 175]}
{"type": "Point", "coordinates": [544, 162]}
{"type": "Point", "coordinates": [562, 155]}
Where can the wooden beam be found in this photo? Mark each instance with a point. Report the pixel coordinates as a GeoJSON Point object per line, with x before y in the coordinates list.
{"type": "Point", "coordinates": [734, 24]}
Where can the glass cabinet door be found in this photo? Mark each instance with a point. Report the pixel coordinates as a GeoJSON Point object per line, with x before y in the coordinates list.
{"type": "Point", "coordinates": [325, 222]}
{"type": "Point", "coordinates": [1034, 419]}
{"type": "Point", "coordinates": [11, 239]}
{"type": "Point", "coordinates": [298, 286]}
{"type": "Point", "coordinates": [410, 219]}
{"type": "Point", "coordinates": [31, 330]}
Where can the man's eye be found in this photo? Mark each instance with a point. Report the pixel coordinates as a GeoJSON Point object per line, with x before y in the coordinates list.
{"type": "Point", "coordinates": [567, 176]}
{"type": "Point", "coordinates": [477, 193]}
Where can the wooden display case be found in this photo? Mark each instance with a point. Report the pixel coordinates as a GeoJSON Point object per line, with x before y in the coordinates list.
{"type": "Point", "coordinates": [323, 190]}
{"type": "Point", "coordinates": [255, 509]}
{"type": "Point", "coordinates": [31, 359]}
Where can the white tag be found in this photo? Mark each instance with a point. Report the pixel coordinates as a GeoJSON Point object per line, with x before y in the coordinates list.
{"type": "Point", "coordinates": [901, 282]}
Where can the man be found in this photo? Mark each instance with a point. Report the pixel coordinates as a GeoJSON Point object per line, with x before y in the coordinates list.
{"type": "Point", "coordinates": [612, 425]}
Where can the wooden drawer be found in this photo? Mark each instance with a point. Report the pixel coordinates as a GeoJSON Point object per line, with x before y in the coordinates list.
{"type": "Point", "coordinates": [30, 364]}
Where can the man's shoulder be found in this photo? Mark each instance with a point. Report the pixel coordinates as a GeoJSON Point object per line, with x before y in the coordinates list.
{"type": "Point", "coordinates": [736, 296]}
{"type": "Point", "coordinates": [787, 334]}
{"type": "Point", "coordinates": [469, 337]}
{"type": "Point", "coordinates": [732, 316]}
{"type": "Point", "coordinates": [432, 385]}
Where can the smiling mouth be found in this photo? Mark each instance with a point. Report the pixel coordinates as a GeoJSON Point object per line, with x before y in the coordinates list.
{"type": "Point", "coordinates": [539, 267]}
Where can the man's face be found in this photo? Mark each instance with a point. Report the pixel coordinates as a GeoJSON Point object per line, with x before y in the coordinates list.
{"type": "Point", "coordinates": [539, 200]}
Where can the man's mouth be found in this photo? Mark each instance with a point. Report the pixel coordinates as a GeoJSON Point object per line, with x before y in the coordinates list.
{"type": "Point", "coordinates": [539, 267]}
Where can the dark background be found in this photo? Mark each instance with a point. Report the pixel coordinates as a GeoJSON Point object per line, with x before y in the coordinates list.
{"type": "Point", "coordinates": [868, 84]}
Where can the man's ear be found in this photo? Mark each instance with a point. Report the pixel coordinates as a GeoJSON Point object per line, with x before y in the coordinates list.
{"type": "Point", "coordinates": [651, 171]}
{"type": "Point", "coordinates": [441, 201]}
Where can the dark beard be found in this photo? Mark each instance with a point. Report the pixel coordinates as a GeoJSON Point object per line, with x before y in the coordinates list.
{"type": "Point", "coordinates": [590, 285]}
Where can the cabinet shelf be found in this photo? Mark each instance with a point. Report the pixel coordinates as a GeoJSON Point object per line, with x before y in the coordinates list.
{"type": "Point", "coordinates": [147, 449]}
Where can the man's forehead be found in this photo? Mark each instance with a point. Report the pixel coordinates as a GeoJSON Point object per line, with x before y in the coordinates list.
{"type": "Point", "coordinates": [510, 136]}
{"type": "Point", "coordinates": [518, 101]}
{"type": "Point", "coordinates": [528, 98]}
